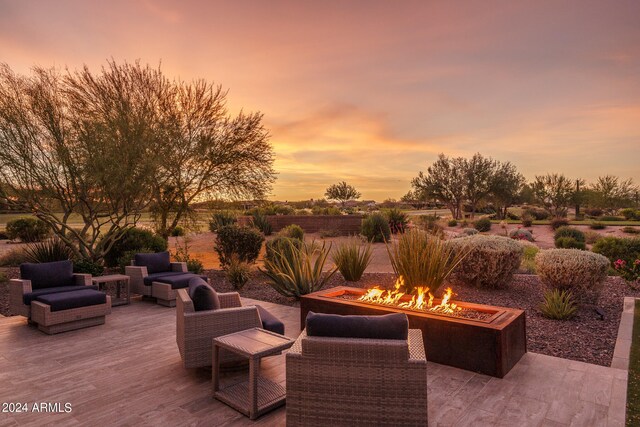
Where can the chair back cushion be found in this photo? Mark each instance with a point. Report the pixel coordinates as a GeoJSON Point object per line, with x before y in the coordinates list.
{"type": "Point", "coordinates": [48, 274]}
{"type": "Point", "coordinates": [389, 326]}
{"type": "Point", "coordinates": [204, 297]}
{"type": "Point", "coordinates": [155, 263]}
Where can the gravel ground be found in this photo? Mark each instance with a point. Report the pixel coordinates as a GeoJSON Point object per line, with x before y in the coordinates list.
{"type": "Point", "coordinates": [585, 338]}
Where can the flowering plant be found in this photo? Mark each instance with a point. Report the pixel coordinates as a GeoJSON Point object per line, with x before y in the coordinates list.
{"type": "Point", "coordinates": [629, 271]}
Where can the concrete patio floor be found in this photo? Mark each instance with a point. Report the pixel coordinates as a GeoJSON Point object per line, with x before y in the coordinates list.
{"type": "Point", "coordinates": [129, 372]}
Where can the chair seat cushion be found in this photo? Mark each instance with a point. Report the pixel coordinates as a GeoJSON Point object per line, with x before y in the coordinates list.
{"type": "Point", "coordinates": [178, 281]}
{"type": "Point", "coordinates": [155, 263]}
{"type": "Point", "coordinates": [156, 276]}
{"type": "Point", "coordinates": [389, 326]}
{"type": "Point", "coordinates": [270, 322]}
{"type": "Point", "coordinates": [74, 299]}
{"type": "Point", "coordinates": [48, 274]}
{"type": "Point", "coordinates": [28, 297]}
{"type": "Point", "coordinates": [203, 296]}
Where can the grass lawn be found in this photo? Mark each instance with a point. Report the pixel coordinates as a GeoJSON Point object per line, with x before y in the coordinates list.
{"type": "Point", "coordinates": [573, 222]}
{"type": "Point", "coordinates": [633, 386]}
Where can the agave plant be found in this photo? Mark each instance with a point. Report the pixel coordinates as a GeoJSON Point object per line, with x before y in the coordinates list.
{"type": "Point", "coordinates": [352, 258]}
{"type": "Point", "coordinates": [296, 271]}
{"type": "Point", "coordinates": [558, 305]}
{"type": "Point", "coordinates": [423, 259]}
{"type": "Point", "coordinates": [48, 251]}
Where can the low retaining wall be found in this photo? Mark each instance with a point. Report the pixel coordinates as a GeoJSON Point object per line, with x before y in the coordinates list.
{"type": "Point", "coordinates": [343, 224]}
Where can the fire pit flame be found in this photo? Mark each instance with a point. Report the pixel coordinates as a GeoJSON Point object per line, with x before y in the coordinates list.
{"type": "Point", "coordinates": [421, 299]}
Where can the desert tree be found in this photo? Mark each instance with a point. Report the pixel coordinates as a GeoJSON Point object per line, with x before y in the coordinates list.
{"type": "Point", "coordinates": [79, 144]}
{"type": "Point", "coordinates": [342, 192]}
{"type": "Point", "coordinates": [554, 192]}
{"type": "Point", "coordinates": [479, 172]}
{"type": "Point", "coordinates": [206, 153]}
{"type": "Point", "coordinates": [506, 187]}
{"type": "Point", "coordinates": [444, 181]}
{"type": "Point", "coordinates": [611, 194]}
{"type": "Point", "coordinates": [417, 199]}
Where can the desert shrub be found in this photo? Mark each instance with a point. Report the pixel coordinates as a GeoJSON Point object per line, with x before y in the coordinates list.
{"type": "Point", "coordinates": [631, 230]}
{"type": "Point", "coordinates": [597, 225]}
{"type": "Point", "coordinates": [271, 209]}
{"type": "Point", "coordinates": [293, 231]}
{"type": "Point", "coordinates": [178, 231]}
{"type": "Point", "coordinates": [580, 272]}
{"type": "Point", "coordinates": [352, 258]}
{"type": "Point", "coordinates": [491, 261]}
{"type": "Point", "coordinates": [181, 254]}
{"type": "Point", "coordinates": [397, 219]}
{"type": "Point", "coordinates": [48, 251]}
{"type": "Point", "coordinates": [87, 266]}
{"type": "Point", "coordinates": [237, 272]}
{"type": "Point", "coordinates": [527, 220]}
{"type": "Point", "coordinates": [468, 232]}
{"type": "Point", "coordinates": [559, 222]}
{"type": "Point", "coordinates": [423, 259]}
{"type": "Point", "coordinates": [245, 242]}
{"type": "Point", "coordinates": [328, 210]}
{"type": "Point", "coordinates": [280, 244]}
{"type": "Point", "coordinates": [569, 243]}
{"type": "Point", "coordinates": [4, 235]}
{"type": "Point", "coordinates": [328, 233]}
{"type": "Point", "coordinates": [528, 263]}
{"type": "Point", "coordinates": [512, 216]}
{"type": "Point", "coordinates": [13, 258]}
{"type": "Point", "coordinates": [375, 228]}
{"type": "Point", "coordinates": [452, 223]}
{"type": "Point", "coordinates": [298, 271]}
{"type": "Point", "coordinates": [128, 256]}
{"type": "Point", "coordinates": [569, 232]}
{"type": "Point", "coordinates": [610, 218]}
{"type": "Point", "coordinates": [591, 237]}
{"type": "Point", "coordinates": [27, 229]}
{"type": "Point", "coordinates": [302, 212]}
{"type": "Point", "coordinates": [521, 234]}
{"type": "Point", "coordinates": [558, 305]}
{"type": "Point", "coordinates": [630, 214]}
{"type": "Point", "coordinates": [260, 222]}
{"type": "Point", "coordinates": [220, 219]}
{"type": "Point", "coordinates": [483, 225]}
{"type": "Point", "coordinates": [593, 212]}
{"type": "Point", "coordinates": [615, 248]}
{"type": "Point", "coordinates": [537, 214]}
{"type": "Point", "coordinates": [134, 239]}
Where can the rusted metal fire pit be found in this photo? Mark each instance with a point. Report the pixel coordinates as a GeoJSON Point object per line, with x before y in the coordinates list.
{"type": "Point", "coordinates": [491, 344]}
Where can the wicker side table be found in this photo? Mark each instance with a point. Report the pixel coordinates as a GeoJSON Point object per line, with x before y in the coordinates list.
{"type": "Point", "coordinates": [257, 395]}
{"type": "Point", "coordinates": [121, 281]}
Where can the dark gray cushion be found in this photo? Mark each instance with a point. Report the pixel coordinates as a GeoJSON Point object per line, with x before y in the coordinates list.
{"type": "Point", "coordinates": [270, 322]}
{"type": "Point", "coordinates": [389, 326]}
{"type": "Point", "coordinates": [28, 297]}
{"type": "Point", "coordinates": [155, 263]}
{"type": "Point", "coordinates": [178, 281]}
{"type": "Point", "coordinates": [147, 280]}
{"type": "Point", "coordinates": [204, 297]}
{"type": "Point", "coordinates": [48, 274]}
{"type": "Point", "coordinates": [67, 300]}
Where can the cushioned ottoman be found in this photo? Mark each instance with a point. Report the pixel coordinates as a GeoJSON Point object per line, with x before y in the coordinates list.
{"type": "Point", "coordinates": [66, 311]}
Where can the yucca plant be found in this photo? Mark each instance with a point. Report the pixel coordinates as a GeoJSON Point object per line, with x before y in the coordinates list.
{"type": "Point", "coordinates": [558, 305]}
{"type": "Point", "coordinates": [296, 271]}
{"type": "Point", "coordinates": [423, 259]}
{"type": "Point", "coordinates": [48, 251]}
{"type": "Point", "coordinates": [352, 258]}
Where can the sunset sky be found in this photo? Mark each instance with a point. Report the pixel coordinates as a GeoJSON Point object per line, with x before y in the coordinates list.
{"type": "Point", "coordinates": [371, 91]}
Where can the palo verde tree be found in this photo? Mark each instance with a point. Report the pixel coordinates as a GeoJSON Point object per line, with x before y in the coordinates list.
{"type": "Point", "coordinates": [79, 144]}
{"type": "Point", "coordinates": [553, 191]}
{"type": "Point", "coordinates": [342, 192]}
{"type": "Point", "coordinates": [506, 187]}
{"type": "Point", "coordinates": [611, 194]}
{"type": "Point", "coordinates": [445, 181]}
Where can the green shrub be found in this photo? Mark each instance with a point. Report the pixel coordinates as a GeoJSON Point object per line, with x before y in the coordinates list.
{"type": "Point", "coordinates": [521, 234]}
{"type": "Point", "coordinates": [580, 272]}
{"type": "Point", "coordinates": [134, 239]}
{"type": "Point", "coordinates": [328, 233]}
{"type": "Point", "coordinates": [631, 230]}
{"type": "Point", "coordinates": [558, 305]}
{"type": "Point", "coordinates": [491, 261]}
{"type": "Point", "coordinates": [569, 243]}
{"type": "Point", "coordinates": [13, 258]}
{"type": "Point", "coordinates": [610, 218]}
{"type": "Point", "coordinates": [87, 266]}
{"type": "Point", "coordinates": [376, 228]}
{"type": "Point", "coordinates": [527, 220]}
{"type": "Point", "coordinates": [245, 242]}
{"type": "Point", "coordinates": [630, 214]}
{"type": "Point", "coordinates": [423, 259]}
{"type": "Point", "coordinates": [528, 263]}
{"type": "Point", "coordinates": [4, 235]}
{"type": "Point", "coordinates": [537, 214]}
{"type": "Point", "coordinates": [397, 219]}
{"type": "Point", "coordinates": [293, 231]}
{"type": "Point", "coordinates": [591, 237]}
{"type": "Point", "coordinates": [178, 231]}
{"type": "Point", "coordinates": [597, 225]}
{"type": "Point", "coordinates": [127, 257]}
{"type": "Point", "coordinates": [271, 209]}
{"type": "Point", "coordinates": [513, 216]}
{"type": "Point", "coordinates": [593, 212]}
{"type": "Point", "coordinates": [352, 258]}
{"type": "Point", "coordinates": [569, 232]}
{"type": "Point", "coordinates": [468, 232]}
{"type": "Point", "coordinates": [559, 222]}
{"type": "Point", "coordinates": [615, 248]}
{"type": "Point", "coordinates": [298, 271]}
{"type": "Point", "coordinates": [237, 272]}
{"type": "Point", "coordinates": [48, 251]}
{"type": "Point", "coordinates": [483, 225]}
{"type": "Point", "coordinates": [182, 254]}
{"type": "Point", "coordinates": [221, 218]}
{"type": "Point", "coordinates": [260, 222]}
{"type": "Point", "coordinates": [3, 277]}
{"type": "Point", "coordinates": [452, 223]}
{"type": "Point", "coordinates": [328, 210]}
{"type": "Point", "coordinates": [280, 244]}
{"type": "Point", "coordinates": [27, 229]}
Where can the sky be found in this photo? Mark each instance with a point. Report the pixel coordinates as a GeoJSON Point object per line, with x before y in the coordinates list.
{"type": "Point", "coordinates": [370, 92]}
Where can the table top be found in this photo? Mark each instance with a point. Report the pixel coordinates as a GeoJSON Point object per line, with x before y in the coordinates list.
{"type": "Point", "coordinates": [254, 342]}
{"type": "Point", "coordinates": [109, 278]}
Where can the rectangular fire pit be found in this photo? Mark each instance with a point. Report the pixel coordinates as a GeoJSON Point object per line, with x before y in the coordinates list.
{"type": "Point", "coordinates": [491, 345]}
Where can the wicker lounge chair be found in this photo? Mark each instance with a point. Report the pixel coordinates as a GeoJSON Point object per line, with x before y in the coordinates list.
{"type": "Point", "coordinates": [357, 381]}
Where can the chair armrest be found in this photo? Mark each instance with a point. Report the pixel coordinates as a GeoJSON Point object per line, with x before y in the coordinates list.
{"type": "Point", "coordinates": [20, 286]}
{"type": "Point", "coordinates": [220, 322]}
{"type": "Point", "coordinates": [135, 270]}
{"type": "Point", "coordinates": [82, 279]}
{"type": "Point", "coordinates": [229, 300]}
{"type": "Point", "coordinates": [179, 266]}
